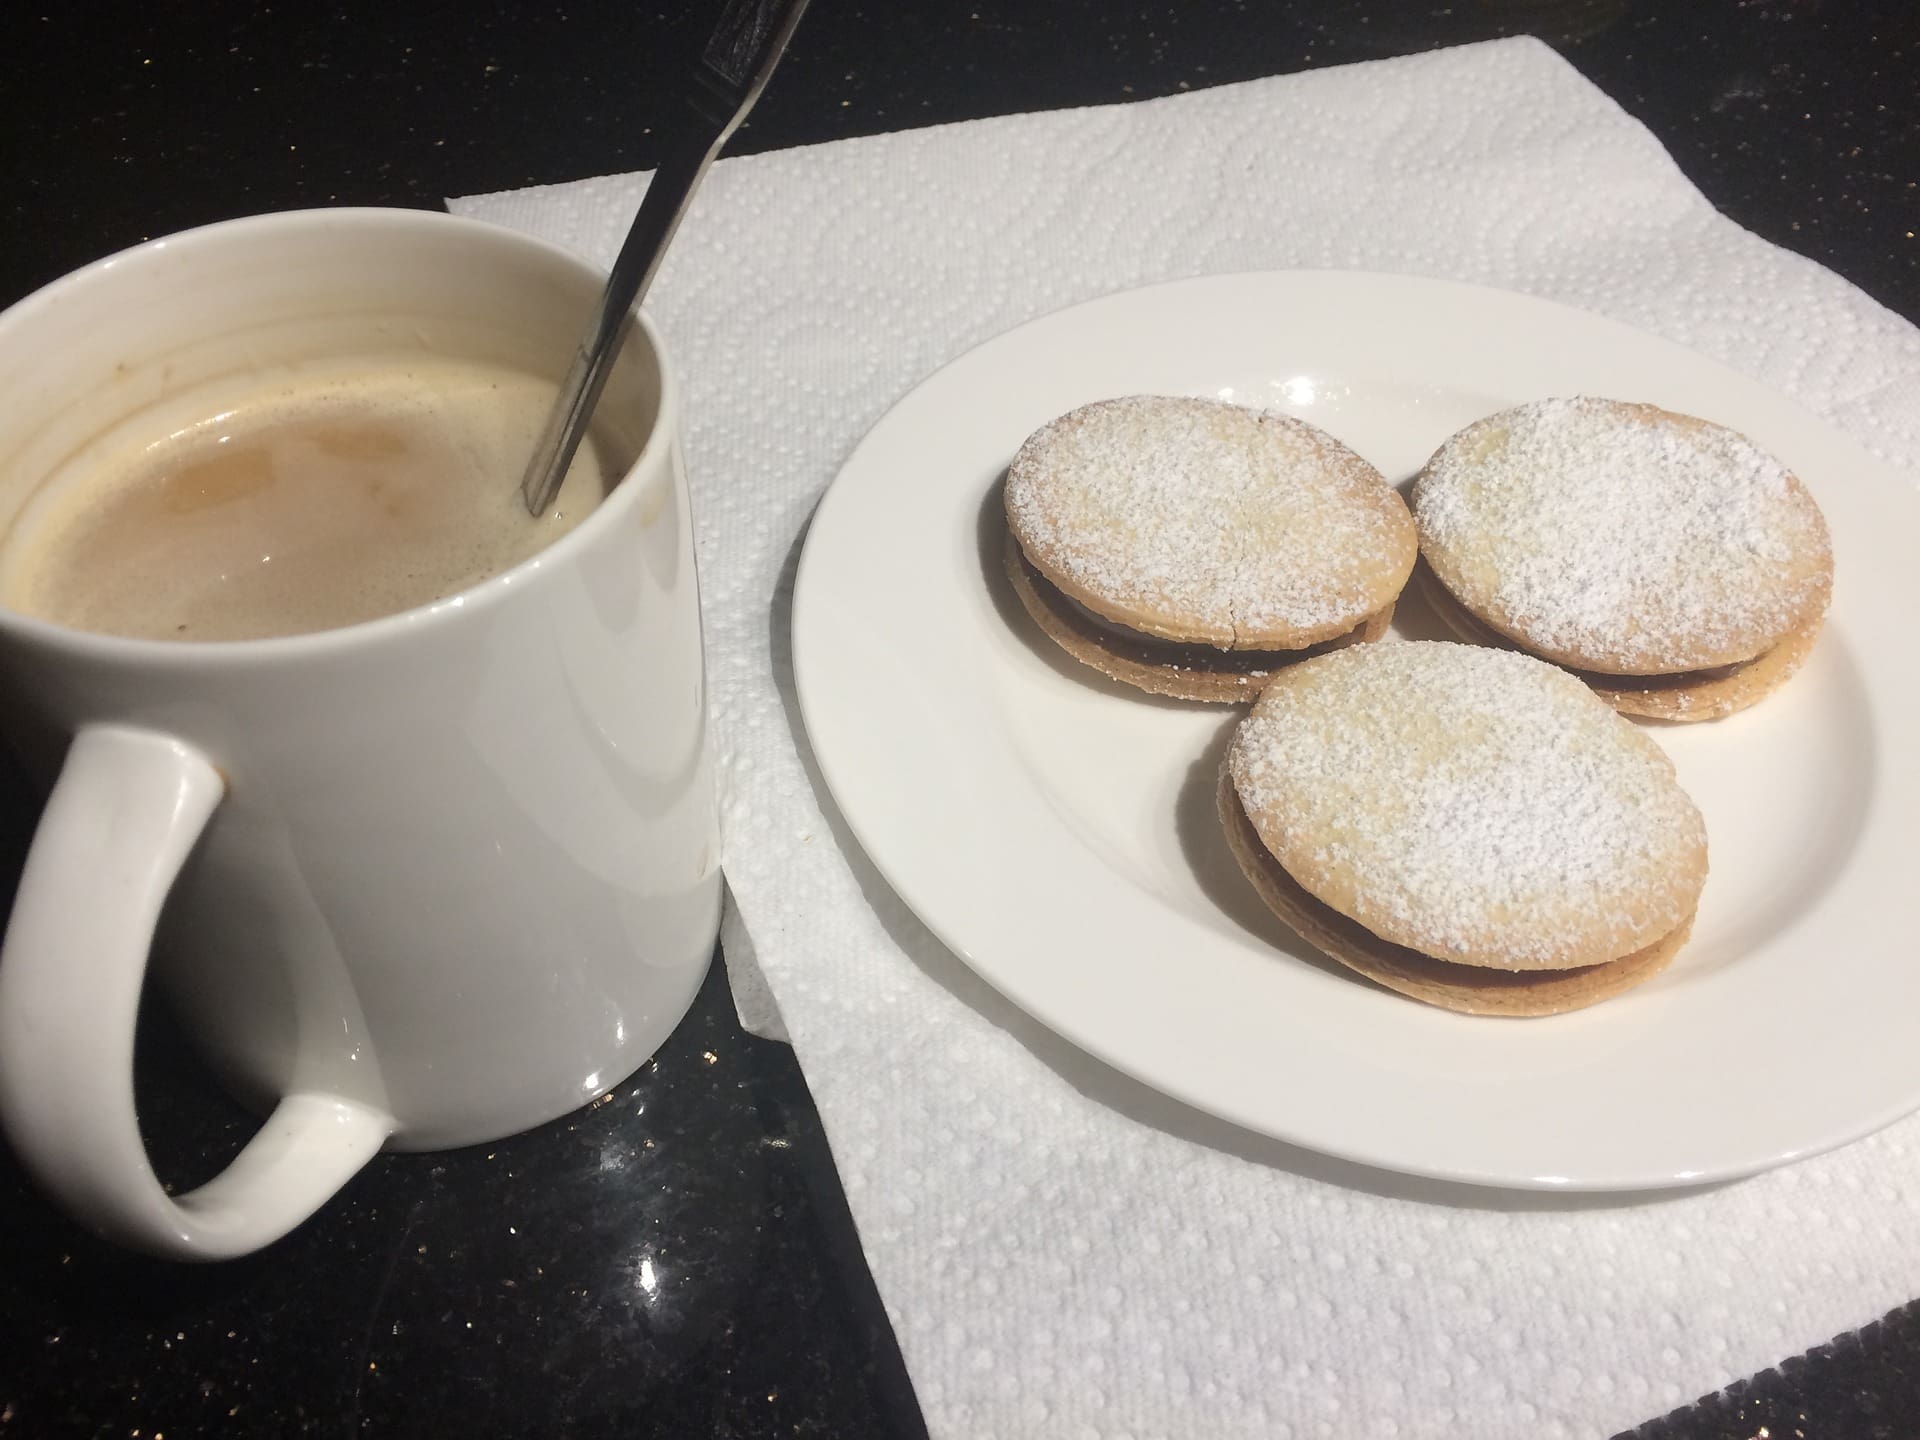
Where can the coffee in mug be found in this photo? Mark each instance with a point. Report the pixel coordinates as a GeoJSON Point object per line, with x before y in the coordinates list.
{"type": "Point", "coordinates": [320, 498]}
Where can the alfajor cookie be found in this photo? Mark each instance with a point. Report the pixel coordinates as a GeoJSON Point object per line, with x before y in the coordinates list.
{"type": "Point", "coordinates": [1468, 826]}
{"type": "Point", "coordinates": [1672, 564]}
{"type": "Point", "coordinates": [1194, 548]}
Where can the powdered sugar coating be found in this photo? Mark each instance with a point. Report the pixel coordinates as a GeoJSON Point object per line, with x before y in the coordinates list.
{"type": "Point", "coordinates": [1200, 521]}
{"type": "Point", "coordinates": [1623, 538]}
{"type": "Point", "coordinates": [1476, 805]}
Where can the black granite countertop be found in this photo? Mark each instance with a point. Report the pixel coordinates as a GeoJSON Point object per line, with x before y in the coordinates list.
{"type": "Point", "coordinates": [679, 1259]}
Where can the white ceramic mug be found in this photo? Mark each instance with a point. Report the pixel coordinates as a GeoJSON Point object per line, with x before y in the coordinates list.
{"type": "Point", "coordinates": [428, 880]}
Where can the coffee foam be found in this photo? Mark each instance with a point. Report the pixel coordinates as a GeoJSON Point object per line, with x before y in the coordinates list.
{"type": "Point", "coordinates": [317, 498]}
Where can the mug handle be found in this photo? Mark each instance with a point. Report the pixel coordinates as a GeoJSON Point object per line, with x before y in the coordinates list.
{"type": "Point", "coordinates": [126, 810]}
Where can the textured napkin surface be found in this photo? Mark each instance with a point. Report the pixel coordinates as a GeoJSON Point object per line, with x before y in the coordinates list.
{"type": "Point", "coordinates": [1063, 1252]}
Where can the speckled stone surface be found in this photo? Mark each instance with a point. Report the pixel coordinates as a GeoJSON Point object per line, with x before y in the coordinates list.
{"type": "Point", "coordinates": [1796, 119]}
{"type": "Point", "coordinates": [678, 1261]}
{"type": "Point", "coordinates": [674, 1260]}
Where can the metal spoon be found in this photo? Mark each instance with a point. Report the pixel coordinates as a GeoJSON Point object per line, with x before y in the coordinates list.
{"type": "Point", "coordinates": [733, 70]}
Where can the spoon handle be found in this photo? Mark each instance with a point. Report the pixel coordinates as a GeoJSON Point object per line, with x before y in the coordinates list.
{"type": "Point", "coordinates": [734, 68]}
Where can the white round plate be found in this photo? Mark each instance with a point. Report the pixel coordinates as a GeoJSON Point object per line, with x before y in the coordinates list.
{"type": "Point", "coordinates": [1058, 831]}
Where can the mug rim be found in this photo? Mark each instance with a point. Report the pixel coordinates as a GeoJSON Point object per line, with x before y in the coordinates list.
{"type": "Point", "coordinates": [481, 595]}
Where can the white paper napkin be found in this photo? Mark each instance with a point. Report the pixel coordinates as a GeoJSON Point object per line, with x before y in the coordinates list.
{"type": "Point", "coordinates": [1063, 1252]}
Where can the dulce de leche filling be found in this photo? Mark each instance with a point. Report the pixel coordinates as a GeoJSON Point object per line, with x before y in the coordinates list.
{"type": "Point", "coordinates": [1147, 649]}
